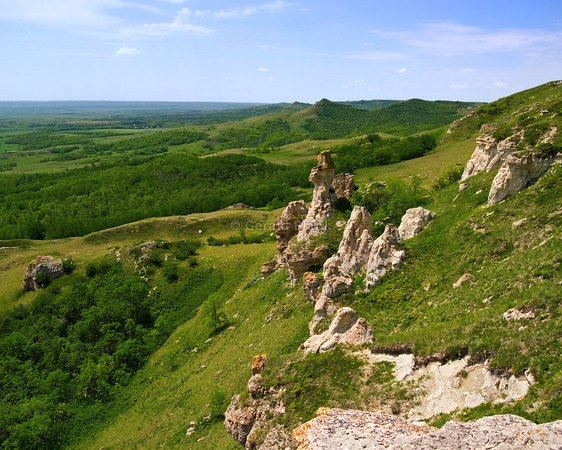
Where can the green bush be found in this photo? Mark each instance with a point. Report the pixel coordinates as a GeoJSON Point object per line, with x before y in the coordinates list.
{"type": "Point", "coordinates": [379, 152]}
{"type": "Point", "coordinates": [68, 265]}
{"type": "Point", "coordinates": [218, 403]}
{"type": "Point", "coordinates": [388, 201]}
{"type": "Point", "coordinates": [42, 279]}
{"type": "Point", "coordinates": [170, 270]}
{"type": "Point", "coordinates": [184, 249]}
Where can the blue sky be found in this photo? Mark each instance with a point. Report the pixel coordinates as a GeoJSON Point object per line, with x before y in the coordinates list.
{"type": "Point", "coordinates": [276, 50]}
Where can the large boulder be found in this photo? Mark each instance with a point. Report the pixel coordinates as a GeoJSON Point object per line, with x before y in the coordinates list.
{"type": "Point", "coordinates": [346, 328]}
{"type": "Point", "coordinates": [353, 429]}
{"type": "Point", "coordinates": [489, 153]}
{"type": "Point", "coordinates": [41, 271]}
{"type": "Point", "coordinates": [414, 221]}
{"type": "Point", "coordinates": [517, 172]}
{"type": "Point", "coordinates": [323, 198]}
{"type": "Point", "coordinates": [385, 255]}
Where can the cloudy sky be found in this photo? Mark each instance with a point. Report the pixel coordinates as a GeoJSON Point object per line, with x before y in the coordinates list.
{"type": "Point", "coordinates": [276, 50]}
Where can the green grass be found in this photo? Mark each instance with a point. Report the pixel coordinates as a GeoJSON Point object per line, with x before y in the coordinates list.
{"type": "Point", "coordinates": [198, 368]}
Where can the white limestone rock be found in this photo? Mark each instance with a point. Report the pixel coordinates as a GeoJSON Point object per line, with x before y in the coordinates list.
{"type": "Point", "coordinates": [414, 221]}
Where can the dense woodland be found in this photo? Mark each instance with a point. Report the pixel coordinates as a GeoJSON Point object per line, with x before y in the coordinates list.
{"type": "Point", "coordinates": [73, 349]}
{"type": "Point", "coordinates": [46, 206]}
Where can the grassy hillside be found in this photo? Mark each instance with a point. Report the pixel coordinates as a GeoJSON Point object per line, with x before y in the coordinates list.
{"type": "Point", "coordinates": [209, 313]}
{"type": "Point", "coordinates": [329, 120]}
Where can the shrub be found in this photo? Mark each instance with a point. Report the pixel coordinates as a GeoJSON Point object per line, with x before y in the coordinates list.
{"type": "Point", "coordinates": [68, 265]}
{"type": "Point", "coordinates": [216, 318]}
{"type": "Point", "coordinates": [99, 266]}
{"type": "Point", "coordinates": [42, 279]}
{"type": "Point", "coordinates": [218, 403]}
{"type": "Point", "coordinates": [184, 249]}
{"type": "Point", "coordinates": [388, 201]}
{"type": "Point", "coordinates": [170, 271]}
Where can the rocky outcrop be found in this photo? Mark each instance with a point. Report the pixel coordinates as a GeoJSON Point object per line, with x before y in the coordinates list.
{"type": "Point", "coordinates": [346, 328]}
{"type": "Point", "coordinates": [353, 429]}
{"type": "Point", "coordinates": [311, 285]}
{"type": "Point", "coordinates": [248, 421]}
{"type": "Point", "coordinates": [352, 255]}
{"type": "Point", "coordinates": [354, 248]}
{"type": "Point", "coordinates": [300, 258]}
{"type": "Point", "coordinates": [489, 153]}
{"type": "Point", "coordinates": [516, 173]}
{"type": "Point", "coordinates": [414, 221]}
{"type": "Point", "coordinates": [385, 255]}
{"type": "Point", "coordinates": [287, 226]}
{"type": "Point", "coordinates": [239, 419]}
{"type": "Point", "coordinates": [323, 198]}
{"type": "Point", "coordinates": [440, 385]}
{"type": "Point", "coordinates": [298, 225]}
{"type": "Point", "coordinates": [344, 186]}
{"type": "Point", "coordinates": [41, 271]}
{"type": "Point", "coordinates": [146, 249]}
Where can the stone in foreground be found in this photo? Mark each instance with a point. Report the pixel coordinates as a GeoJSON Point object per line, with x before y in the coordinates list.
{"type": "Point", "coordinates": [354, 429]}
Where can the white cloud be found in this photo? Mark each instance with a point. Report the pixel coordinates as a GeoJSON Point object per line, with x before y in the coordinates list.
{"type": "Point", "coordinates": [128, 51]}
{"type": "Point", "coordinates": [242, 11]}
{"type": "Point", "coordinates": [377, 56]}
{"type": "Point", "coordinates": [271, 78]}
{"type": "Point", "coordinates": [402, 70]}
{"type": "Point", "coordinates": [452, 39]}
{"type": "Point", "coordinates": [459, 86]}
{"type": "Point", "coordinates": [187, 20]}
{"type": "Point", "coordinates": [263, 69]}
{"type": "Point", "coordinates": [500, 84]}
{"type": "Point", "coordinates": [181, 23]}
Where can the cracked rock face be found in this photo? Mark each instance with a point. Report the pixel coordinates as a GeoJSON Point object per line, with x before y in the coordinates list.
{"type": "Point", "coordinates": [323, 198]}
{"type": "Point", "coordinates": [516, 173]}
{"type": "Point", "coordinates": [354, 429]}
{"type": "Point", "coordinates": [414, 221]}
{"type": "Point", "coordinates": [346, 328]}
{"type": "Point", "coordinates": [42, 267]}
{"type": "Point", "coordinates": [385, 255]}
{"type": "Point", "coordinates": [489, 154]}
